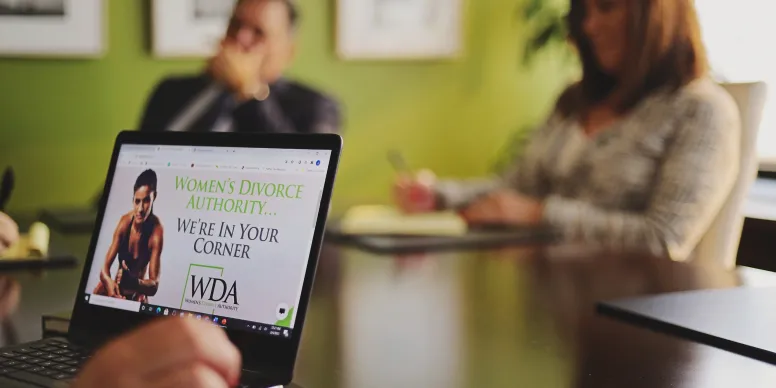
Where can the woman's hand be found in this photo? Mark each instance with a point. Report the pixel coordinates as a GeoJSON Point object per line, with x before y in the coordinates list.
{"type": "Point", "coordinates": [9, 232]}
{"type": "Point", "coordinates": [112, 287]}
{"type": "Point", "coordinates": [504, 207]}
{"type": "Point", "coordinates": [415, 193]}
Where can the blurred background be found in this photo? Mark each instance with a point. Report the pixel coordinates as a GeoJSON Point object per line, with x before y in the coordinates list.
{"type": "Point", "coordinates": [454, 115]}
{"type": "Point", "coordinates": [60, 116]}
{"type": "Point", "coordinates": [459, 101]}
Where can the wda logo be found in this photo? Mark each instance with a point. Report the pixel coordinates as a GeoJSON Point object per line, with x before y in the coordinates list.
{"type": "Point", "coordinates": [207, 289]}
{"type": "Point", "coordinates": [215, 285]}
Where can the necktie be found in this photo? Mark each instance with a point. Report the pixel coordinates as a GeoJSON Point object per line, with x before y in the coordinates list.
{"type": "Point", "coordinates": [218, 115]}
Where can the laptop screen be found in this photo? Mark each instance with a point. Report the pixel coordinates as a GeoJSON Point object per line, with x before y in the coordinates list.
{"type": "Point", "coordinates": [210, 233]}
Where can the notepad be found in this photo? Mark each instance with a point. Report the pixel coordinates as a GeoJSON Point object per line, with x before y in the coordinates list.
{"type": "Point", "coordinates": [386, 220]}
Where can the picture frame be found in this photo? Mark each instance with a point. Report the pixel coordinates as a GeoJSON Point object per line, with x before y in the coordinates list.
{"type": "Point", "coordinates": [53, 28]}
{"type": "Point", "coordinates": [400, 29]}
{"type": "Point", "coordinates": [189, 28]}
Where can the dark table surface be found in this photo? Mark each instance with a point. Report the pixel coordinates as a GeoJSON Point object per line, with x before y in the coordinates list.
{"type": "Point", "coordinates": [521, 317]}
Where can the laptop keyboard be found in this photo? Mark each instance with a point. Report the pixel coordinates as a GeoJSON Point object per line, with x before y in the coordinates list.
{"type": "Point", "coordinates": [54, 363]}
{"type": "Point", "coordinates": [42, 361]}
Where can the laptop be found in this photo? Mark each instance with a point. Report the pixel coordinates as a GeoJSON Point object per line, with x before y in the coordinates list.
{"type": "Point", "coordinates": [220, 227]}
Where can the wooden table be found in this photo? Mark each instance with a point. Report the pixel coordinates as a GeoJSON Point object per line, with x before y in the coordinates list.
{"type": "Point", "coordinates": [501, 318]}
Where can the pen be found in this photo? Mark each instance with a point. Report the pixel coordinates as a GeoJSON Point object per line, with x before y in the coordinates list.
{"type": "Point", "coordinates": [399, 163]}
{"type": "Point", "coordinates": [6, 187]}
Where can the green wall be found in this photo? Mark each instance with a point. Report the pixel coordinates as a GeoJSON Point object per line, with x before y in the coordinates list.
{"type": "Point", "coordinates": [58, 118]}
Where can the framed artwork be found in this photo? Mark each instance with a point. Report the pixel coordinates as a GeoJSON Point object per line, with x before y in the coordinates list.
{"type": "Point", "coordinates": [399, 29]}
{"type": "Point", "coordinates": [189, 28]}
{"type": "Point", "coordinates": [52, 28]}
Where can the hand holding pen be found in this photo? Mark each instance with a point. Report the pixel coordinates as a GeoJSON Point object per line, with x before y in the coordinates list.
{"type": "Point", "coordinates": [413, 191]}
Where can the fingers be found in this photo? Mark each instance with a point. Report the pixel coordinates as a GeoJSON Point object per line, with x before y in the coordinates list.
{"type": "Point", "coordinates": [231, 48]}
{"type": "Point", "coordinates": [403, 180]}
{"type": "Point", "coordinates": [116, 288]}
{"type": "Point", "coordinates": [256, 54]}
{"type": "Point", "coordinates": [115, 291]}
{"type": "Point", "coordinates": [240, 71]}
{"type": "Point", "coordinates": [414, 197]}
{"type": "Point", "coordinates": [110, 289]}
{"type": "Point", "coordinates": [483, 211]}
{"type": "Point", "coordinates": [9, 231]}
{"type": "Point", "coordinates": [175, 343]}
{"type": "Point", "coordinates": [194, 376]}
{"type": "Point", "coordinates": [426, 177]}
{"type": "Point", "coordinates": [124, 265]}
{"type": "Point", "coordinates": [100, 289]}
{"type": "Point", "coordinates": [504, 208]}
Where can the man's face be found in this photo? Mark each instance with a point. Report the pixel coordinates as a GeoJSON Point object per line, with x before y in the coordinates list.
{"type": "Point", "coordinates": [143, 202]}
{"type": "Point", "coordinates": [264, 23]}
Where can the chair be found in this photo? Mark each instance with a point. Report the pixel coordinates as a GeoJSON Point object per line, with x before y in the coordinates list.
{"type": "Point", "coordinates": [722, 239]}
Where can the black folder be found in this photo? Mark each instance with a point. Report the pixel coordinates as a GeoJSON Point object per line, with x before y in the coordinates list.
{"type": "Point", "coordinates": [476, 238]}
{"type": "Point", "coordinates": [739, 320]}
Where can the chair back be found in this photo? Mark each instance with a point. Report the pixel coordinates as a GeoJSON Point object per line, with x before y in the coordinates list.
{"type": "Point", "coordinates": [722, 239]}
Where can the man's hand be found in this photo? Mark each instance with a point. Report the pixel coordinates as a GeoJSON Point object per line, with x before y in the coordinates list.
{"type": "Point", "coordinates": [165, 354]}
{"type": "Point", "coordinates": [504, 207]}
{"type": "Point", "coordinates": [239, 69]}
{"type": "Point", "coordinates": [9, 232]}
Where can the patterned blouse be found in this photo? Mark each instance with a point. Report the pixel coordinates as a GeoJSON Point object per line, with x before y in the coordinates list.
{"type": "Point", "coordinates": [652, 181]}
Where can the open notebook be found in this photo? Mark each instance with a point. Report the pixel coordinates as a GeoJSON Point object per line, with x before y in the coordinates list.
{"type": "Point", "coordinates": [385, 220]}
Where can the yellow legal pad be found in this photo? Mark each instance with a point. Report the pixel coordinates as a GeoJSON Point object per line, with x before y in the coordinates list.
{"type": "Point", "coordinates": [32, 244]}
{"type": "Point", "coordinates": [386, 220]}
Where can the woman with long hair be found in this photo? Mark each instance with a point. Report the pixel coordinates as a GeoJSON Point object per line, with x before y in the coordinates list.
{"type": "Point", "coordinates": [641, 153]}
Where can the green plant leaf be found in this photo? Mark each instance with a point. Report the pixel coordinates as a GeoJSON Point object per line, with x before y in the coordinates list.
{"type": "Point", "coordinates": [548, 28]}
{"type": "Point", "coordinates": [533, 8]}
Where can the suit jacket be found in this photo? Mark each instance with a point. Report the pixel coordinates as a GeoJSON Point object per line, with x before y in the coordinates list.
{"type": "Point", "coordinates": [290, 108]}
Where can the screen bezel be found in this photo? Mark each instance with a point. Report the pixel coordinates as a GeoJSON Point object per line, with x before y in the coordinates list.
{"type": "Point", "coordinates": [260, 352]}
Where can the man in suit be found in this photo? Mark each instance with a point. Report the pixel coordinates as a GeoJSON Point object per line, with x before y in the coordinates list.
{"type": "Point", "coordinates": [242, 89]}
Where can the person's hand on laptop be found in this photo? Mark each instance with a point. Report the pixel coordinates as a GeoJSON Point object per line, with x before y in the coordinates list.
{"type": "Point", "coordinates": [240, 70]}
{"type": "Point", "coordinates": [9, 232]}
{"type": "Point", "coordinates": [164, 354]}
